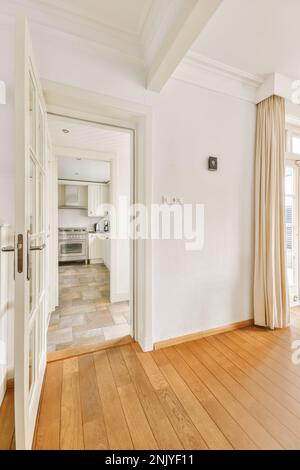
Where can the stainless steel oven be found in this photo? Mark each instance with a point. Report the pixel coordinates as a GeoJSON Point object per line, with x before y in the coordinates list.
{"type": "Point", "coordinates": [72, 244]}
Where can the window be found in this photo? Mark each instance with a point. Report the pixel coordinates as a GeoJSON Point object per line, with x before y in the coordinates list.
{"type": "Point", "coordinates": [293, 142]}
{"type": "Point", "coordinates": [291, 227]}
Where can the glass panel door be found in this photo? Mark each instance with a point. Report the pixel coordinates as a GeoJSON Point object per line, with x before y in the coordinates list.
{"type": "Point", "coordinates": [31, 177]}
{"type": "Point", "coordinates": [291, 227]}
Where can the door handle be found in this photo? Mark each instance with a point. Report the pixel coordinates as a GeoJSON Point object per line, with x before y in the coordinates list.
{"type": "Point", "coordinates": [38, 248]}
{"type": "Point", "coordinates": [8, 249]}
{"type": "Point", "coordinates": [29, 249]}
{"type": "Point", "coordinates": [20, 246]}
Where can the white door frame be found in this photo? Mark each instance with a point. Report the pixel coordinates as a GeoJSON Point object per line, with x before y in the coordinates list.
{"type": "Point", "coordinates": [104, 110]}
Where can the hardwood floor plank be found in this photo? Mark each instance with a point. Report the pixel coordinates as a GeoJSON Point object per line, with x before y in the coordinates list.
{"type": "Point", "coordinates": [162, 429]}
{"type": "Point", "coordinates": [236, 390]}
{"type": "Point", "coordinates": [276, 354]}
{"type": "Point", "coordinates": [275, 398]}
{"type": "Point", "coordinates": [183, 425]}
{"type": "Point", "coordinates": [141, 433]}
{"type": "Point", "coordinates": [229, 427]}
{"type": "Point", "coordinates": [207, 428]}
{"type": "Point", "coordinates": [281, 340]}
{"type": "Point", "coordinates": [139, 428]}
{"type": "Point", "coordinates": [120, 371]}
{"type": "Point", "coordinates": [94, 431]}
{"type": "Point", "coordinates": [7, 420]}
{"type": "Point", "coordinates": [71, 416]}
{"type": "Point", "coordinates": [266, 409]}
{"type": "Point", "coordinates": [49, 420]}
{"type": "Point", "coordinates": [254, 429]}
{"type": "Point", "coordinates": [116, 425]}
{"type": "Point", "coordinates": [270, 429]}
{"type": "Point", "coordinates": [258, 358]}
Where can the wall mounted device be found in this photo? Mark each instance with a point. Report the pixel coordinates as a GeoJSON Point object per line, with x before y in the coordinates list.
{"type": "Point", "coordinates": [213, 164]}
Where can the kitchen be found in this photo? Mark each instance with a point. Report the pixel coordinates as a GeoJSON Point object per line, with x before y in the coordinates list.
{"type": "Point", "coordinates": [93, 268]}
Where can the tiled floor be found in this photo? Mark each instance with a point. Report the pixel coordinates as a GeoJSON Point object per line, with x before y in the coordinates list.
{"type": "Point", "coordinates": [85, 315]}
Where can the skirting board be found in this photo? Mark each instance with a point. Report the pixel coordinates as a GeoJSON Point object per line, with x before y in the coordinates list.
{"type": "Point", "coordinates": [193, 337]}
{"type": "Point", "coordinates": [116, 298]}
{"type": "Point", "coordinates": [86, 349]}
{"type": "Point", "coordinates": [10, 384]}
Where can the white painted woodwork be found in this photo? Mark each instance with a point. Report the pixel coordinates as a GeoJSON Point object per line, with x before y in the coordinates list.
{"type": "Point", "coordinates": [72, 196]}
{"type": "Point", "coordinates": [97, 198]}
{"type": "Point", "coordinates": [52, 230]}
{"type": "Point", "coordinates": [30, 215]}
{"type": "Point", "coordinates": [178, 41]}
{"type": "Point", "coordinates": [99, 249]}
{"type": "Point", "coordinates": [106, 252]}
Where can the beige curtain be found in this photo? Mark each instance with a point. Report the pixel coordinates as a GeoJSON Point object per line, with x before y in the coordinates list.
{"type": "Point", "coordinates": [271, 302]}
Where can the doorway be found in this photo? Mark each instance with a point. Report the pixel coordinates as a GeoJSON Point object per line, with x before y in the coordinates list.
{"type": "Point", "coordinates": [36, 264]}
{"type": "Point", "coordinates": [95, 264]}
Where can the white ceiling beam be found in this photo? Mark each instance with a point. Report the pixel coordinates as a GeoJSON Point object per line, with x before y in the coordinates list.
{"type": "Point", "coordinates": [178, 41]}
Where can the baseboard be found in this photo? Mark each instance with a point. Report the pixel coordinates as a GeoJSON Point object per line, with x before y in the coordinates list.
{"type": "Point", "coordinates": [10, 384]}
{"type": "Point", "coordinates": [86, 349]}
{"type": "Point", "coordinates": [202, 334]}
{"type": "Point", "coordinates": [115, 298]}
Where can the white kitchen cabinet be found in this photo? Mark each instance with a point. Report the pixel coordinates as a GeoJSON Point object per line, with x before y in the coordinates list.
{"type": "Point", "coordinates": [72, 196]}
{"type": "Point", "coordinates": [99, 249]}
{"type": "Point", "coordinates": [97, 196]}
{"type": "Point", "coordinates": [106, 252]}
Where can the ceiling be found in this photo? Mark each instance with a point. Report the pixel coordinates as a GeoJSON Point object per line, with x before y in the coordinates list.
{"type": "Point", "coordinates": [83, 170]}
{"type": "Point", "coordinates": [256, 36]}
{"type": "Point", "coordinates": [70, 148]}
{"type": "Point", "coordinates": [85, 136]}
{"type": "Point", "coordinates": [128, 16]}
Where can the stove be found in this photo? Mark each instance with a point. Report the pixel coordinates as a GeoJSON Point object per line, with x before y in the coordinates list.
{"type": "Point", "coordinates": [73, 244]}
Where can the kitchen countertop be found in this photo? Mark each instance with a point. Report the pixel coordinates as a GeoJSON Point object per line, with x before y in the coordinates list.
{"type": "Point", "coordinates": [104, 235]}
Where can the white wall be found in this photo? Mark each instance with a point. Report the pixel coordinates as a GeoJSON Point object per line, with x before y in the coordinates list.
{"type": "Point", "coordinates": [191, 291]}
{"type": "Point", "coordinates": [195, 291]}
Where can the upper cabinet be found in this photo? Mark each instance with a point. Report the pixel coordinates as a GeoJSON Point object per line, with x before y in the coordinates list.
{"type": "Point", "coordinates": [72, 196]}
{"type": "Point", "coordinates": [98, 195]}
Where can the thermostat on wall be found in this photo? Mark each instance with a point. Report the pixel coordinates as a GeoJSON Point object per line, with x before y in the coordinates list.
{"type": "Point", "coordinates": [213, 164]}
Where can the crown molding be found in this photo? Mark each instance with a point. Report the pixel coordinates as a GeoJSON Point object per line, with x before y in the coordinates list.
{"type": "Point", "coordinates": [61, 20]}
{"type": "Point", "coordinates": [204, 72]}
{"type": "Point", "coordinates": [225, 70]}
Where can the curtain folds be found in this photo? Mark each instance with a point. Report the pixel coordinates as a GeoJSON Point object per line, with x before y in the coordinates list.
{"type": "Point", "coordinates": [271, 300]}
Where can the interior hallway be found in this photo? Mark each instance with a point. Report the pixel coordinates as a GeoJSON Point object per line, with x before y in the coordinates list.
{"type": "Point", "coordinates": [85, 315]}
{"type": "Point", "coordinates": [236, 390]}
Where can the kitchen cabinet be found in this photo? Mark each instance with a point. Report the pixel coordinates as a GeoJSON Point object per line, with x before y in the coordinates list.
{"type": "Point", "coordinates": [99, 249]}
{"type": "Point", "coordinates": [97, 196]}
{"type": "Point", "coordinates": [106, 252]}
{"type": "Point", "coordinates": [72, 196]}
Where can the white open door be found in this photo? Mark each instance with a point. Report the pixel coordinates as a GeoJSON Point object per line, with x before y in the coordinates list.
{"type": "Point", "coordinates": [31, 239]}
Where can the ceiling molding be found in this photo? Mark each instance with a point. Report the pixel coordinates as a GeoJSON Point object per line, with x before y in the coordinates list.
{"type": "Point", "coordinates": [66, 22]}
{"type": "Point", "coordinates": [223, 69]}
{"type": "Point", "coordinates": [140, 47]}
{"type": "Point", "coordinates": [207, 73]}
